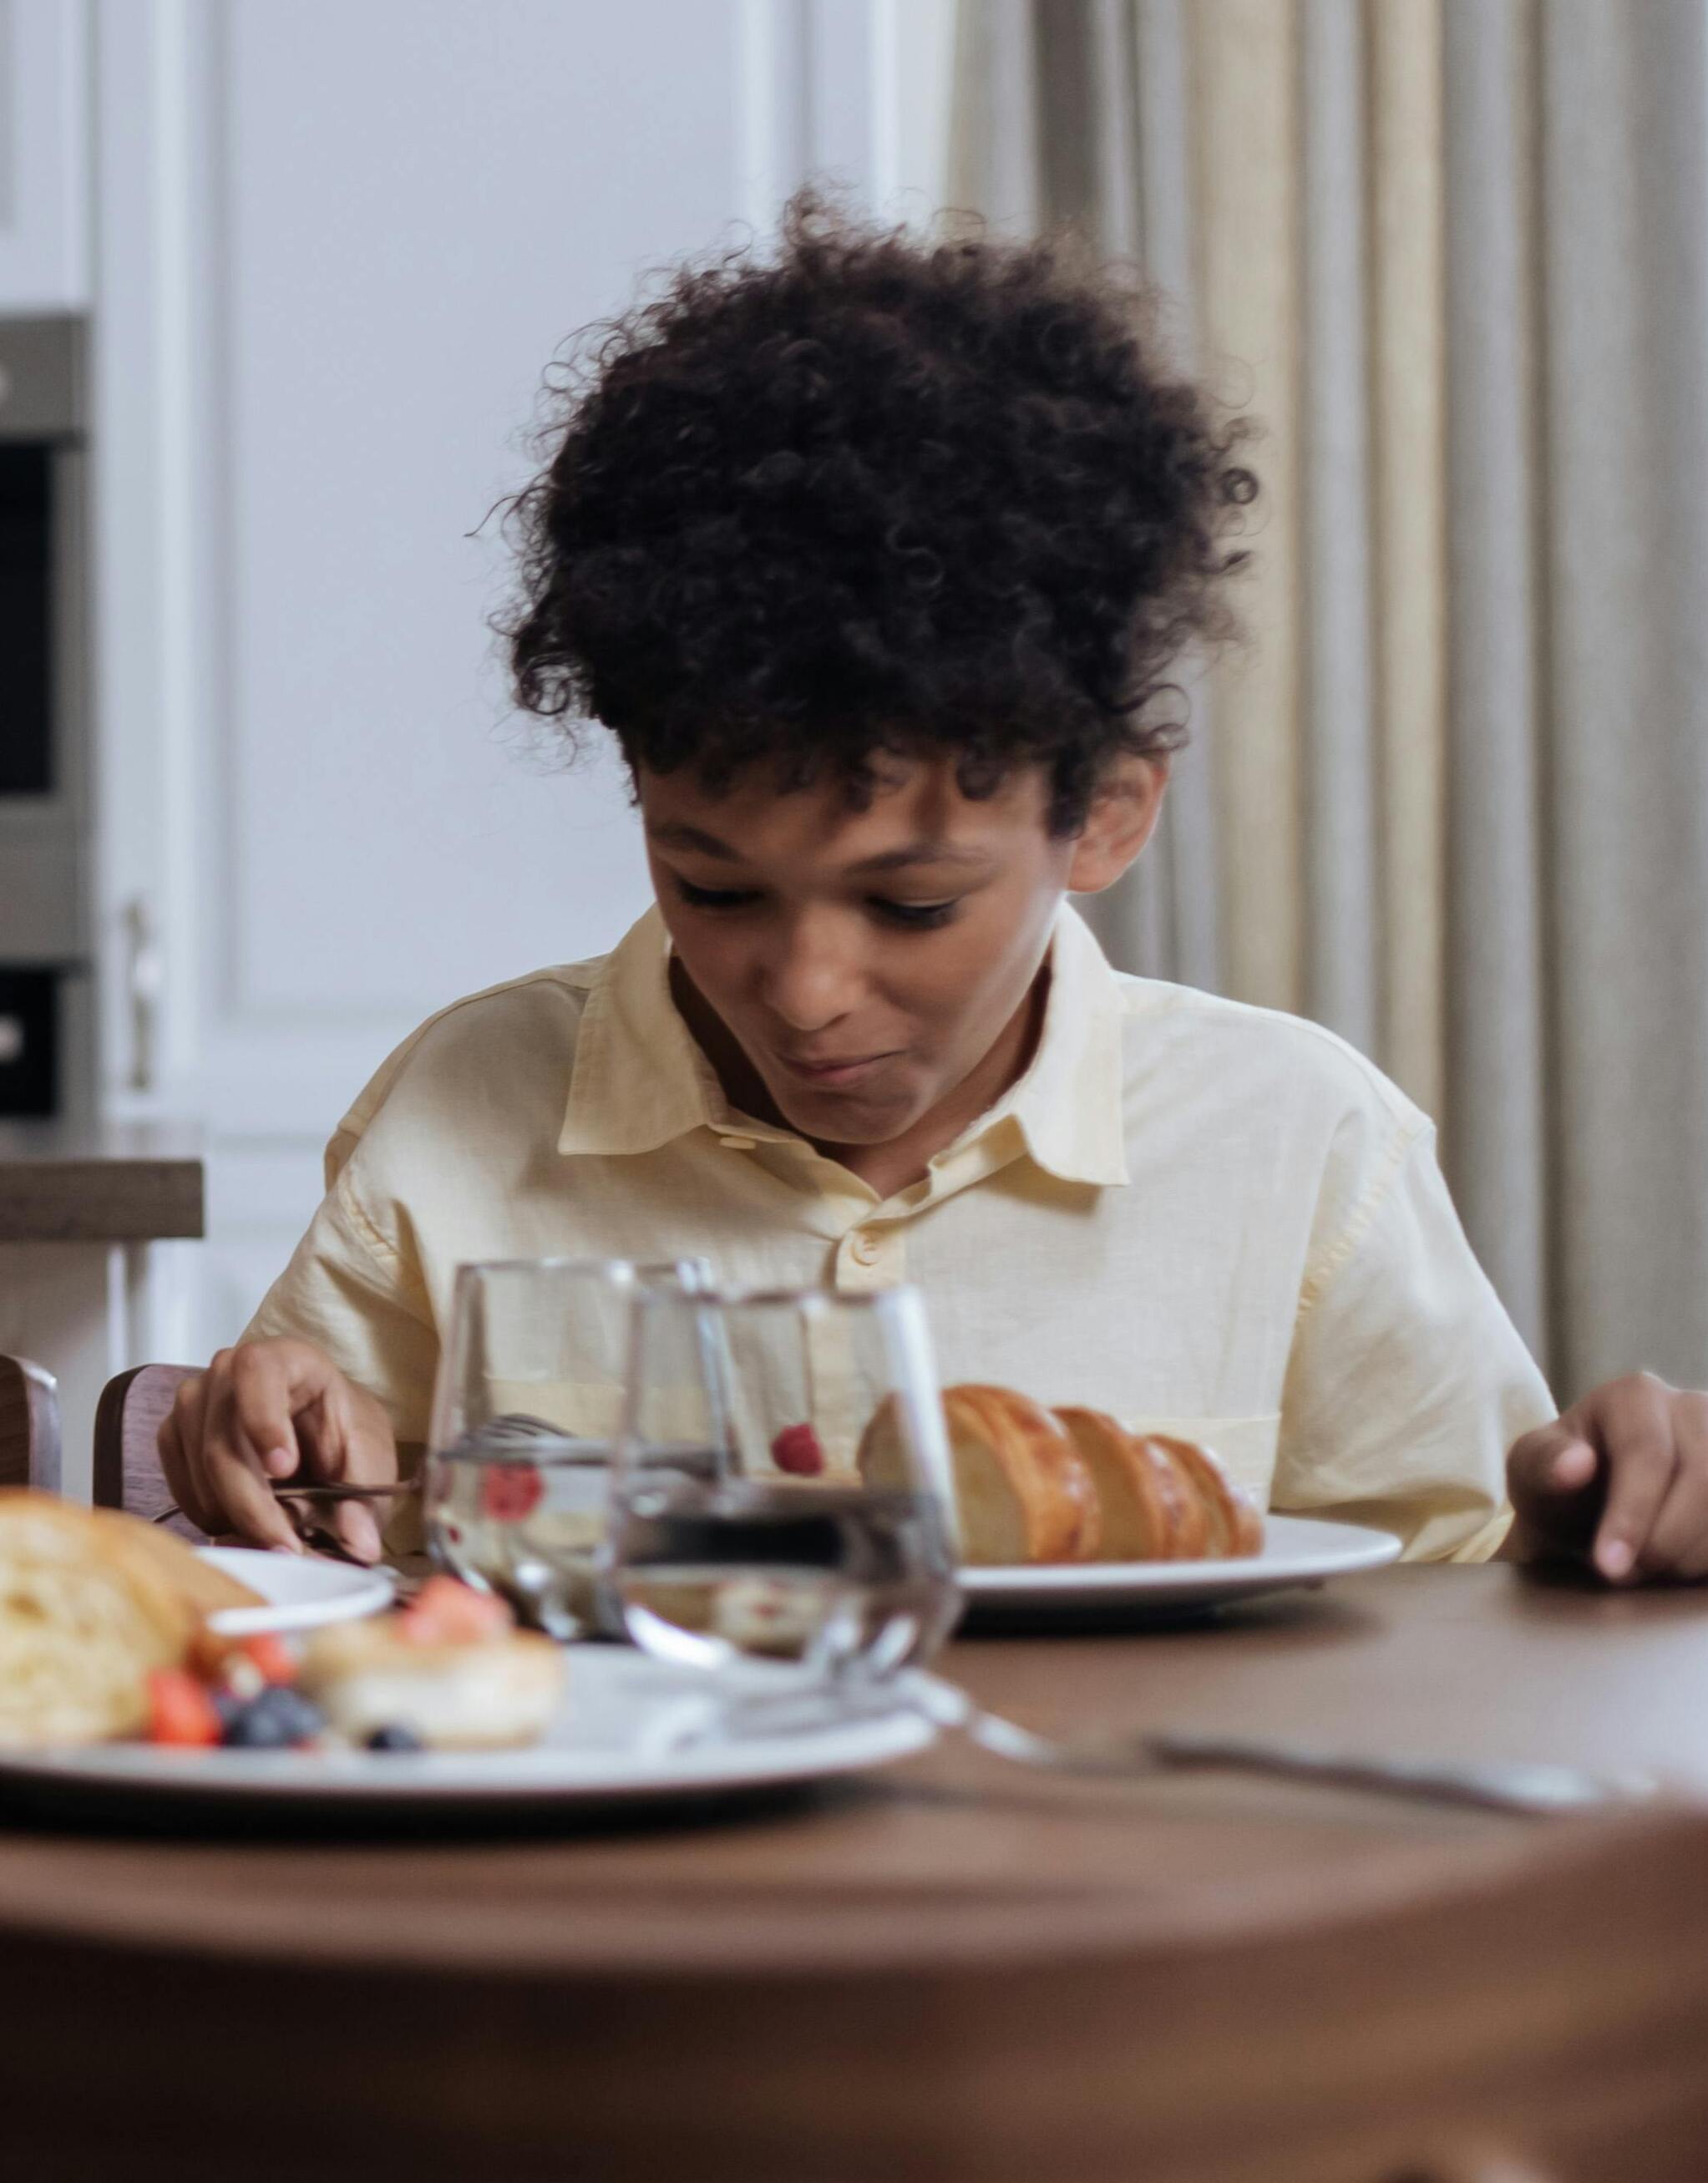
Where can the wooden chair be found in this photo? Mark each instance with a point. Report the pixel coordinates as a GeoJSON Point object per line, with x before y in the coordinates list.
{"type": "Point", "coordinates": [127, 1472]}
{"type": "Point", "coordinates": [28, 1425]}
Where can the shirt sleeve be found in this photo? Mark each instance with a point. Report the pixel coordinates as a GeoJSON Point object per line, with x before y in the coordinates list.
{"type": "Point", "coordinates": [1406, 1382]}
{"type": "Point", "coordinates": [356, 1293]}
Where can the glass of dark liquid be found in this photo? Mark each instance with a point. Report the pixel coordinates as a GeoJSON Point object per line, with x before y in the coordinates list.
{"type": "Point", "coordinates": [515, 1485]}
{"type": "Point", "coordinates": [780, 1490]}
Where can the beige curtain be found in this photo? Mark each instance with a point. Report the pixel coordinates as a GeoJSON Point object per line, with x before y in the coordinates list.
{"type": "Point", "coordinates": [1452, 796]}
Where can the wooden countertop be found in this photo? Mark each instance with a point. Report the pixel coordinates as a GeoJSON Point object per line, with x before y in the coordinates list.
{"type": "Point", "coordinates": [130, 1182]}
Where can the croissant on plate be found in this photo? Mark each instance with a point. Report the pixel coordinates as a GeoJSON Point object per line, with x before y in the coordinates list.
{"type": "Point", "coordinates": [1071, 1485]}
{"type": "Point", "coordinates": [90, 1602]}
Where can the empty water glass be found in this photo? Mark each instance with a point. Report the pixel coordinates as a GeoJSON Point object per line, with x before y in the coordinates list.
{"type": "Point", "coordinates": [525, 1405]}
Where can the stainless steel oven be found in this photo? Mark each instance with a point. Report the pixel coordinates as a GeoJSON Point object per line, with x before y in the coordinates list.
{"type": "Point", "coordinates": [46, 1014]}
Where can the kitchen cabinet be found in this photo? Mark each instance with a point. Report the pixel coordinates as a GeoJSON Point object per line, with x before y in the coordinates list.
{"type": "Point", "coordinates": [339, 246]}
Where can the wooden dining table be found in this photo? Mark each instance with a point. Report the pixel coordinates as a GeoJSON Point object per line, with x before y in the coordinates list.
{"type": "Point", "coordinates": [957, 1967]}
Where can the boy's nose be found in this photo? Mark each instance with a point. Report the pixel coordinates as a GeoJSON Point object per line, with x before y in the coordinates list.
{"type": "Point", "coordinates": [811, 982]}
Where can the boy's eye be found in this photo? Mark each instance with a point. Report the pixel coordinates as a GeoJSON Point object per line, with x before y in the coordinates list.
{"type": "Point", "coordinates": [912, 916]}
{"type": "Point", "coordinates": [700, 898]}
{"type": "Point", "coordinates": [916, 916]}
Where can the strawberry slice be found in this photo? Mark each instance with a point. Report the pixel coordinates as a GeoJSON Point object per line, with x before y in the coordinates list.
{"type": "Point", "coordinates": [271, 1657]}
{"type": "Point", "coordinates": [181, 1709]}
{"type": "Point", "coordinates": [798, 1450]}
{"type": "Point", "coordinates": [446, 1612]}
{"type": "Point", "coordinates": [266, 1658]}
{"type": "Point", "coordinates": [509, 1491]}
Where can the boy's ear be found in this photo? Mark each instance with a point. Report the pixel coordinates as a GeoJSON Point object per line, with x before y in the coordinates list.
{"type": "Point", "coordinates": [1122, 817]}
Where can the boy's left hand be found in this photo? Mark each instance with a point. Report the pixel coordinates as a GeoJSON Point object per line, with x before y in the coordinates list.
{"type": "Point", "coordinates": [1619, 1482]}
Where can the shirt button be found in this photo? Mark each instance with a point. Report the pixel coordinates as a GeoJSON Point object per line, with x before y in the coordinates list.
{"type": "Point", "coordinates": [865, 1247]}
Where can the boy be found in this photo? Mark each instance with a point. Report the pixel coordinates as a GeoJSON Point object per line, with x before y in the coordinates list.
{"type": "Point", "coordinates": [876, 559]}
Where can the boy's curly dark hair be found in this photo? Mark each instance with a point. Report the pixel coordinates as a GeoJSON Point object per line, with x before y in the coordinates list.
{"type": "Point", "coordinates": [875, 494]}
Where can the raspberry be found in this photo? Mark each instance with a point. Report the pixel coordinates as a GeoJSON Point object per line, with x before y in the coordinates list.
{"type": "Point", "coordinates": [798, 1450]}
{"type": "Point", "coordinates": [510, 1491]}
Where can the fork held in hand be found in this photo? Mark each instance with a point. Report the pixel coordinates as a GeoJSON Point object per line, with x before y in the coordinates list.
{"type": "Point", "coordinates": [289, 1492]}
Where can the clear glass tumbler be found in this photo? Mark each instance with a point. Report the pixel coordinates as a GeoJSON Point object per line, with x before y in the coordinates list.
{"type": "Point", "coordinates": [782, 1487]}
{"type": "Point", "coordinates": [525, 1407]}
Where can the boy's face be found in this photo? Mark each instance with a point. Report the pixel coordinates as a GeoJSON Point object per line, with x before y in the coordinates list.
{"type": "Point", "coordinates": [865, 962]}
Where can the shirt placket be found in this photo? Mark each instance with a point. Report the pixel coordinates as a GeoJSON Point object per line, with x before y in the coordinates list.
{"type": "Point", "coordinates": [840, 1403]}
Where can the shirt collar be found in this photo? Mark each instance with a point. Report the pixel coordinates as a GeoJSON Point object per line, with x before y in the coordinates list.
{"type": "Point", "coordinates": [1070, 1102]}
{"type": "Point", "coordinates": [640, 1079]}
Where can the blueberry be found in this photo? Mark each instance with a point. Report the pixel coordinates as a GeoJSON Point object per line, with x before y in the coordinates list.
{"type": "Point", "coordinates": [275, 1720]}
{"type": "Point", "coordinates": [394, 1736]}
{"type": "Point", "coordinates": [253, 1728]}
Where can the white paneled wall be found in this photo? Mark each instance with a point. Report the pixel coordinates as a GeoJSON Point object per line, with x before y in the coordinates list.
{"type": "Point", "coordinates": [336, 247]}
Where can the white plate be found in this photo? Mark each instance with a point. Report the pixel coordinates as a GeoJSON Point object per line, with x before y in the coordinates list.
{"type": "Point", "coordinates": [595, 1754]}
{"type": "Point", "coordinates": [300, 1592]}
{"type": "Point", "coordinates": [1296, 1550]}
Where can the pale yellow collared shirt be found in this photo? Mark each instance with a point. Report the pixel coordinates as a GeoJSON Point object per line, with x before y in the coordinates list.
{"type": "Point", "coordinates": [1194, 1214]}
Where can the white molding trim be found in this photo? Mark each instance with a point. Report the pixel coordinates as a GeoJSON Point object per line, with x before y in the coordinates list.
{"type": "Point", "coordinates": [772, 100]}
{"type": "Point", "coordinates": [44, 155]}
{"type": "Point", "coordinates": [823, 90]}
{"type": "Point", "coordinates": [143, 521]}
{"type": "Point", "coordinates": [842, 85]}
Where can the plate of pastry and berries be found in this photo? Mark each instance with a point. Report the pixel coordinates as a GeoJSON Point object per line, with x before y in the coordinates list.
{"type": "Point", "coordinates": [139, 1676]}
{"type": "Point", "coordinates": [1066, 1511]}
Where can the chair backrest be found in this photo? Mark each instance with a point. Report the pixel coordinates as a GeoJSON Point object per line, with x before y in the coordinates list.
{"type": "Point", "coordinates": [127, 1473]}
{"type": "Point", "coordinates": [28, 1425]}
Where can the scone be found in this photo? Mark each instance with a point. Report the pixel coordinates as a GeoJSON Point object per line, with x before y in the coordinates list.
{"type": "Point", "coordinates": [453, 1693]}
{"type": "Point", "coordinates": [88, 1611]}
{"type": "Point", "coordinates": [1023, 1490]}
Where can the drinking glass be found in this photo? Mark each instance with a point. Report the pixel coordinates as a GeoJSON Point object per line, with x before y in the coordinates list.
{"type": "Point", "coordinates": [781, 1487]}
{"type": "Point", "coordinates": [527, 1399]}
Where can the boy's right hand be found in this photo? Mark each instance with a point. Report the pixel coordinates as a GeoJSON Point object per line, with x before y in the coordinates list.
{"type": "Point", "coordinates": [264, 1412]}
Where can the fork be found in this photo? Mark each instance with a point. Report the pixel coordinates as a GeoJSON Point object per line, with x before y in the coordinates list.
{"type": "Point", "coordinates": [517, 1430]}
{"type": "Point", "coordinates": [341, 1492]}
{"type": "Point", "coordinates": [1536, 1789]}
{"type": "Point", "coordinates": [1533, 1790]}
